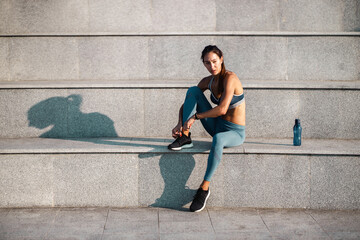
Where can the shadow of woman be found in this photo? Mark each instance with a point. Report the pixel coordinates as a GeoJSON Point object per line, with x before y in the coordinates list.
{"type": "Point", "coordinates": [175, 171]}
{"type": "Point", "coordinates": [67, 121]}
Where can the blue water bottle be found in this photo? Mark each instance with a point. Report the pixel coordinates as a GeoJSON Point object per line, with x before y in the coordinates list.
{"type": "Point", "coordinates": [297, 133]}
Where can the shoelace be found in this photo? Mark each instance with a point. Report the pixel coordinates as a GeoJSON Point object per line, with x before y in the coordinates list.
{"type": "Point", "coordinates": [179, 138]}
{"type": "Point", "coordinates": [199, 194]}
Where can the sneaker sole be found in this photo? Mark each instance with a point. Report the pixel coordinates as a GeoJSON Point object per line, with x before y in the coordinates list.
{"type": "Point", "coordinates": [184, 146]}
{"type": "Point", "coordinates": [204, 203]}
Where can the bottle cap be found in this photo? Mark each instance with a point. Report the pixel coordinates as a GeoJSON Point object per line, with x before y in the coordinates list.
{"type": "Point", "coordinates": [297, 121]}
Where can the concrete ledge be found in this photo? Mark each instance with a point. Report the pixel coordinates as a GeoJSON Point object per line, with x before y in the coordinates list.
{"type": "Point", "coordinates": [213, 33]}
{"type": "Point", "coordinates": [177, 84]}
{"type": "Point", "coordinates": [133, 172]}
{"type": "Point", "coordinates": [97, 112]}
{"type": "Point", "coordinates": [159, 16]}
{"type": "Point", "coordinates": [159, 145]}
{"type": "Point", "coordinates": [287, 58]}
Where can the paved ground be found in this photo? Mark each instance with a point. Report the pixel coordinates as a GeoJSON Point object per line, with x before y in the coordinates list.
{"type": "Point", "coordinates": [159, 223]}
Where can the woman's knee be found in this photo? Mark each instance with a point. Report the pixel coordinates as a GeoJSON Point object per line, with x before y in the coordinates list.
{"type": "Point", "coordinates": [195, 90]}
{"type": "Point", "coordinates": [217, 140]}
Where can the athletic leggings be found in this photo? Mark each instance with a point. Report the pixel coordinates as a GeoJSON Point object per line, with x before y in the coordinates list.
{"type": "Point", "coordinates": [224, 133]}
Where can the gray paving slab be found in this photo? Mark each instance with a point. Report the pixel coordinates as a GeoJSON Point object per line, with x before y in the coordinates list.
{"type": "Point", "coordinates": [162, 223]}
{"type": "Point", "coordinates": [134, 221]}
{"type": "Point", "coordinates": [184, 222]}
{"type": "Point", "coordinates": [29, 223]}
{"type": "Point", "coordinates": [3, 213]}
{"type": "Point", "coordinates": [77, 223]}
{"type": "Point", "coordinates": [292, 224]}
{"type": "Point", "coordinates": [188, 236]}
{"type": "Point", "coordinates": [131, 236]}
{"type": "Point", "coordinates": [237, 220]}
{"type": "Point", "coordinates": [338, 224]}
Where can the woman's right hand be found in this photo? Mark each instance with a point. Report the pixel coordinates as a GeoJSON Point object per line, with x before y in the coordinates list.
{"type": "Point", "coordinates": [177, 131]}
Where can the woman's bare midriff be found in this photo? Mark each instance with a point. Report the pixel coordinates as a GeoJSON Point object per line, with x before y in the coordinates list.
{"type": "Point", "coordinates": [236, 115]}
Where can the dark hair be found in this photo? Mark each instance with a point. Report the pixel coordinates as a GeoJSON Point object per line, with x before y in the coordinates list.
{"type": "Point", "coordinates": [217, 51]}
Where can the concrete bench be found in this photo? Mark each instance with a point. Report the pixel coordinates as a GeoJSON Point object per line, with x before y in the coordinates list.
{"type": "Point", "coordinates": [141, 171]}
{"type": "Point", "coordinates": [327, 109]}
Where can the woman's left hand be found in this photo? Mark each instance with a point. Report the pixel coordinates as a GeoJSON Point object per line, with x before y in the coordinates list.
{"type": "Point", "coordinates": [189, 123]}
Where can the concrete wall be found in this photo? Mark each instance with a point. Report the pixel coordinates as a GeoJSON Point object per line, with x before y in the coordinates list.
{"type": "Point", "coordinates": [170, 180]}
{"type": "Point", "coordinates": [83, 16]}
{"type": "Point", "coordinates": [173, 58]}
{"type": "Point", "coordinates": [154, 112]}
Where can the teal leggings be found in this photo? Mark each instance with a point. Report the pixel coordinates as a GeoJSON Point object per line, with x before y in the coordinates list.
{"type": "Point", "coordinates": [224, 133]}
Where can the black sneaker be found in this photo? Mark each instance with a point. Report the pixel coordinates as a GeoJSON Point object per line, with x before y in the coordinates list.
{"type": "Point", "coordinates": [199, 201]}
{"type": "Point", "coordinates": [181, 142]}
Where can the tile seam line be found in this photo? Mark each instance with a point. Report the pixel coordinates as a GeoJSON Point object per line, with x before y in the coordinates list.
{"type": "Point", "coordinates": [158, 218]}
{"type": "Point", "coordinates": [321, 227]}
{"type": "Point", "coordinates": [257, 88]}
{"type": "Point", "coordinates": [190, 34]}
{"type": "Point", "coordinates": [177, 153]}
{"type": "Point", "coordinates": [107, 216]}
{"type": "Point", "coordinates": [211, 222]}
{"type": "Point", "coordinates": [180, 87]}
{"type": "Point", "coordinates": [271, 234]}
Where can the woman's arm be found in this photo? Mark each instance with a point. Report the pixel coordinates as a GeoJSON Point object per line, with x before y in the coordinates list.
{"type": "Point", "coordinates": [227, 95]}
{"type": "Point", "coordinates": [180, 115]}
{"type": "Point", "coordinates": [222, 108]}
{"type": "Point", "coordinates": [203, 85]}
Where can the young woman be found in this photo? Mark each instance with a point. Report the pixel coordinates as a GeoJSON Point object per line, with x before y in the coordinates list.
{"type": "Point", "coordinates": [225, 122]}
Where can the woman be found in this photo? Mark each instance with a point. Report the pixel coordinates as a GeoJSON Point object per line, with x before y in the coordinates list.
{"type": "Point", "coordinates": [225, 122]}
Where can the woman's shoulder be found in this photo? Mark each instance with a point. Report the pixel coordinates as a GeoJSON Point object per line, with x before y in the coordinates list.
{"type": "Point", "coordinates": [231, 75]}
{"type": "Point", "coordinates": [232, 78]}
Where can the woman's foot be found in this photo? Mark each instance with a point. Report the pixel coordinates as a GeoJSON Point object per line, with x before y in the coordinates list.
{"type": "Point", "coordinates": [199, 201]}
{"type": "Point", "coordinates": [181, 142]}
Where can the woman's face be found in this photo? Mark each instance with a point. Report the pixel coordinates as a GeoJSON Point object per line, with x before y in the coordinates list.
{"type": "Point", "coordinates": [212, 62]}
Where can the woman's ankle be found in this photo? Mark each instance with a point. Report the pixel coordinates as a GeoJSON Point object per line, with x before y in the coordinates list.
{"type": "Point", "coordinates": [205, 185]}
{"type": "Point", "coordinates": [186, 133]}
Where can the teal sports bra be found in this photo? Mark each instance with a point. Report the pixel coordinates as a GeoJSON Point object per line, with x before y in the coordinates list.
{"type": "Point", "coordinates": [235, 101]}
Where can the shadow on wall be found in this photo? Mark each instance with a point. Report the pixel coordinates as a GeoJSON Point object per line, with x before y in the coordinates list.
{"type": "Point", "coordinates": [175, 173]}
{"type": "Point", "coordinates": [63, 113]}
{"type": "Point", "coordinates": [67, 121]}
